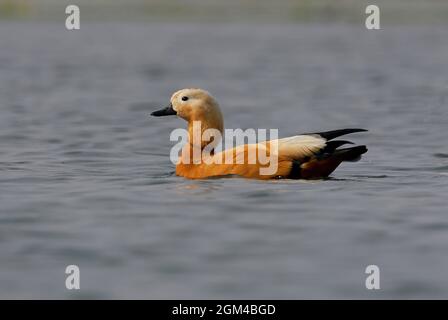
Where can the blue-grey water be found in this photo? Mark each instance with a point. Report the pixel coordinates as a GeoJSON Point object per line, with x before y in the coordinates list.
{"type": "Point", "coordinates": [85, 175]}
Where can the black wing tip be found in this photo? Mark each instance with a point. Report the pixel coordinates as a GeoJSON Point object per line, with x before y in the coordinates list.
{"type": "Point", "coordinates": [328, 135]}
{"type": "Point", "coordinates": [357, 130]}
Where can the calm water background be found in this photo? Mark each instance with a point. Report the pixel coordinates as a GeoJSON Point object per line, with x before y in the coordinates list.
{"type": "Point", "coordinates": [85, 176]}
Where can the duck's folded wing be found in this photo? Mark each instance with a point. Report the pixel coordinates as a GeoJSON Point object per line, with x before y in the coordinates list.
{"type": "Point", "coordinates": [307, 145]}
{"type": "Point", "coordinates": [297, 147]}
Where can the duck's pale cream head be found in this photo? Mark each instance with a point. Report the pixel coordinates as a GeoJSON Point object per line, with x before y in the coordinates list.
{"type": "Point", "coordinates": [194, 105]}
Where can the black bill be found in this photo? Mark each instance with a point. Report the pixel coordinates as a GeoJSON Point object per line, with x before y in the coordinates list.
{"type": "Point", "coordinates": [168, 111]}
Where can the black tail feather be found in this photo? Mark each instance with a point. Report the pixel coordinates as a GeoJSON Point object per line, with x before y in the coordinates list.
{"type": "Point", "coordinates": [331, 146]}
{"type": "Point", "coordinates": [328, 135]}
{"type": "Point", "coordinates": [351, 154]}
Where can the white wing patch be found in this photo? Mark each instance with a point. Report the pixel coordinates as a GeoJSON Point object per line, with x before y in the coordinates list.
{"type": "Point", "coordinates": [299, 147]}
{"type": "Point", "coordinates": [293, 148]}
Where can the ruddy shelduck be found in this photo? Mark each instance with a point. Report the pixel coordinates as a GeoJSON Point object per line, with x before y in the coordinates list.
{"type": "Point", "coordinates": [304, 156]}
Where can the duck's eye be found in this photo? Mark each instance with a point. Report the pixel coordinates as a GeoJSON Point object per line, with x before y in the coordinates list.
{"type": "Point", "coordinates": [184, 98]}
